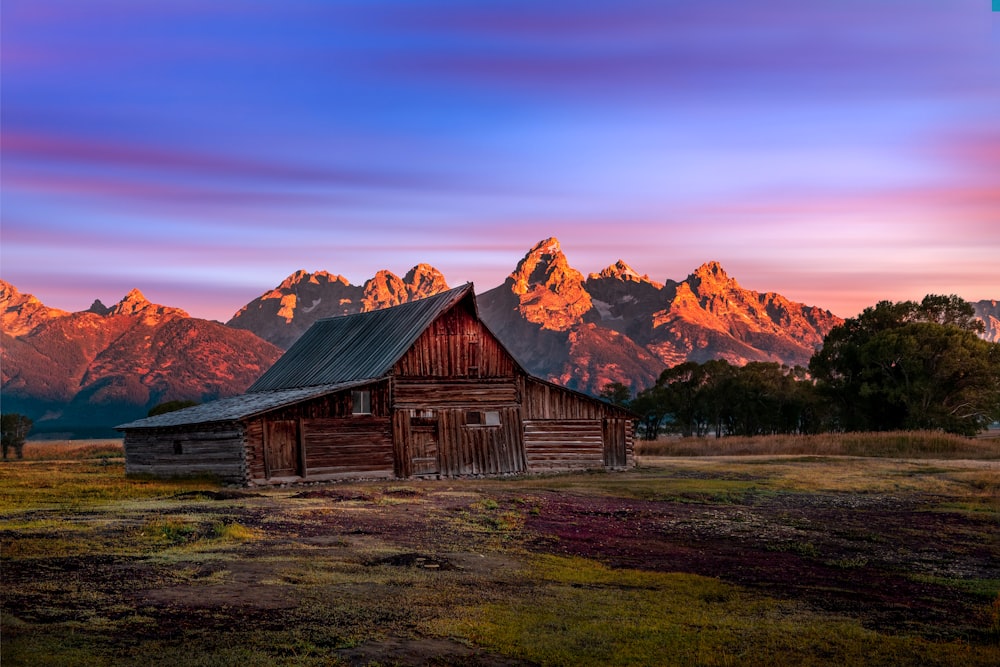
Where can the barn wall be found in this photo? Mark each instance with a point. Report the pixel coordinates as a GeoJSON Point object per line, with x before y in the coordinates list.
{"type": "Point", "coordinates": [456, 345]}
{"type": "Point", "coordinates": [618, 442]}
{"type": "Point", "coordinates": [428, 392]}
{"type": "Point", "coordinates": [348, 446]}
{"type": "Point", "coordinates": [330, 441]}
{"type": "Point", "coordinates": [547, 401]}
{"type": "Point", "coordinates": [559, 444]}
{"type": "Point", "coordinates": [199, 449]}
{"type": "Point", "coordinates": [564, 430]}
{"type": "Point", "coordinates": [460, 448]}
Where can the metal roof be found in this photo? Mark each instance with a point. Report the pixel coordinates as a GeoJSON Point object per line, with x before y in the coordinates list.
{"type": "Point", "coordinates": [235, 408]}
{"type": "Point", "coordinates": [355, 347]}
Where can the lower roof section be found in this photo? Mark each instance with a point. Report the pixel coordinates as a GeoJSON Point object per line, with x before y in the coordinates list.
{"type": "Point", "coordinates": [239, 407]}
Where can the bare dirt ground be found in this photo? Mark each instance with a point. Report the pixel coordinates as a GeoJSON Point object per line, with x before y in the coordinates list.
{"type": "Point", "coordinates": [896, 561]}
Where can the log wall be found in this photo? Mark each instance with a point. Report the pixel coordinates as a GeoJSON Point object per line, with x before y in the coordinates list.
{"type": "Point", "coordinates": [348, 446]}
{"type": "Point", "coordinates": [618, 443]}
{"type": "Point", "coordinates": [564, 430]}
{"type": "Point", "coordinates": [461, 448]}
{"type": "Point", "coordinates": [419, 392]}
{"type": "Point", "coordinates": [331, 442]}
{"type": "Point", "coordinates": [561, 444]}
{"type": "Point", "coordinates": [215, 449]}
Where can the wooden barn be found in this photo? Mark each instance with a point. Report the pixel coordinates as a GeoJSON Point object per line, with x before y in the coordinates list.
{"type": "Point", "coordinates": [420, 389]}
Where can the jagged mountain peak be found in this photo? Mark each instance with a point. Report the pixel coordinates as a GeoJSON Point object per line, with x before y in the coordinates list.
{"type": "Point", "coordinates": [302, 276]}
{"type": "Point", "coordinates": [98, 308]}
{"type": "Point", "coordinates": [424, 280]}
{"type": "Point", "coordinates": [710, 273]}
{"type": "Point", "coordinates": [550, 291]}
{"type": "Point", "coordinates": [20, 313]}
{"type": "Point", "coordinates": [544, 265]}
{"type": "Point", "coordinates": [620, 270]}
{"type": "Point", "coordinates": [549, 246]}
{"type": "Point", "coordinates": [136, 304]}
{"type": "Point", "coordinates": [383, 290]}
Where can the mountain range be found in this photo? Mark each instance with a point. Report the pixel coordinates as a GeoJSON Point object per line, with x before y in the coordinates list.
{"type": "Point", "coordinates": [83, 372]}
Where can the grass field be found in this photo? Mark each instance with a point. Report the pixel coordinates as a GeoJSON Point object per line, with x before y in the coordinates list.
{"type": "Point", "coordinates": [786, 556]}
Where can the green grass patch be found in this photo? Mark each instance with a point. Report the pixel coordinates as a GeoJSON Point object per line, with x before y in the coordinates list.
{"type": "Point", "coordinates": [582, 613]}
{"type": "Point", "coordinates": [67, 484]}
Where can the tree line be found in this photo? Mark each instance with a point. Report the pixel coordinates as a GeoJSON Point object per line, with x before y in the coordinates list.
{"type": "Point", "coordinates": [897, 366]}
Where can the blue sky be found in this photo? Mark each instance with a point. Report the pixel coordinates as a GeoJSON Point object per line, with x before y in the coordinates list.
{"type": "Point", "coordinates": [836, 152]}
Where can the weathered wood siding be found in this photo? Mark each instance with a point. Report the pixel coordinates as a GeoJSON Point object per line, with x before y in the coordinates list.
{"type": "Point", "coordinates": [429, 392]}
{"type": "Point", "coordinates": [618, 442]}
{"type": "Point", "coordinates": [456, 367]}
{"type": "Point", "coordinates": [564, 430]}
{"type": "Point", "coordinates": [199, 449]}
{"type": "Point", "coordinates": [330, 442]}
{"type": "Point", "coordinates": [357, 446]}
{"type": "Point", "coordinates": [461, 448]}
{"type": "Point", "coordinates": [456, 345]}
{"type": "Point", "coordinates": [560, 444]}
{"type": "Point", "coordinates": [546, 401]}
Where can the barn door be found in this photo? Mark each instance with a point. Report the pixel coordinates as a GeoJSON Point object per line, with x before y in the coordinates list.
{"type": "Point", "coordinates": [614, 443]}
{"type": "Point", "coordinates": [281, 448]}
{"type": "Point", "coordinates": [424, 449]}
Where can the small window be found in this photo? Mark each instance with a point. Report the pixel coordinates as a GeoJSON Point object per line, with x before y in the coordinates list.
{"type": "Point", "coordinates": [361, 402]}
{"type": "Point", "coordinates": [422, 417]}
{"type": "Point", "coordinates": [178, 447]}
{"type": "Point", "coordinates": [480, 418]}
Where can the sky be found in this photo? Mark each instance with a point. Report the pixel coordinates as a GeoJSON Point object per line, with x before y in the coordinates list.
{"type": "Point", "coordinates": [838, 153]}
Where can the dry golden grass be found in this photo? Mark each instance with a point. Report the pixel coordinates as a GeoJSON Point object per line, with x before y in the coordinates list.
{"type": "Point", "coordinates": [57, 450]}
{"type": "Point", "coordinates": [895, 444]}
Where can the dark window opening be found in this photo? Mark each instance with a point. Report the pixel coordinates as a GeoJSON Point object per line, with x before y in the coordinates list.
{"type": "Point", "coordinates": [178, 447]}
{"type": "Point", "coordinates": [361, 402]}
{"type": "Point", "coordinates": [482, 418]}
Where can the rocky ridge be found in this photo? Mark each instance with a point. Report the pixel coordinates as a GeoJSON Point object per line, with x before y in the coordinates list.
{"type": "Point", "coordinates": [283, 314]}
{"type": "Point", "coordinates": [620, 326]}
{"type": "Point", "coordinates": [71, 372]}
{"type": "Point", "coordinates": [107, 365]}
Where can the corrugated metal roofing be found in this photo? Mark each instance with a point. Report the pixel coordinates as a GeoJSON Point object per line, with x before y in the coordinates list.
{"type": "Point", "coordinates": [236, 407]}
{"type": "Point", "coordinates": [355, 347]}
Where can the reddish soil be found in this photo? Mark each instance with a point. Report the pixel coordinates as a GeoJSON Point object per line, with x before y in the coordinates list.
{"type": "Point", "coordinates": [845, 553]}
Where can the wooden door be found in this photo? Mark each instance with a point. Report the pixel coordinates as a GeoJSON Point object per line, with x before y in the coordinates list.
{"type": "Point", "coordinates": [614, 443]}
{"type": "Point", "coordinates": [424, 449]}
{"type": "Point", "coordinates": [281, 448]}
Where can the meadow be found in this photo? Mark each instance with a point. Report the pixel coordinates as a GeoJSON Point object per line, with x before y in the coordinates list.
{"type": "Point", "coordinates": [883, 551]}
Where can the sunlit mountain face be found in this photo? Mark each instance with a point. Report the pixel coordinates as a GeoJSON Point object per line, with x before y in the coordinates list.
{"type": "Point", "coordinates": [81, 372]}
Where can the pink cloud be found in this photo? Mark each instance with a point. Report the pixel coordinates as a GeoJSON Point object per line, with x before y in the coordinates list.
{"type": "Point", "coordinates": [39, 147]}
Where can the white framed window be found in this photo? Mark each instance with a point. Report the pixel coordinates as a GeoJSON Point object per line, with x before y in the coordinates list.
{"type": "Point", "coordinates": [361, 402]}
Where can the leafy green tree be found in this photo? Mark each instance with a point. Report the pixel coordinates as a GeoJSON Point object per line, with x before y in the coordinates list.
{"type": "Point", "coordinates": [911, 365]}
{"type": "Point", "coordinates": [14, 429]}
{"type": "Point", "coordinates": [651, 405]}
{"type": "Point", "coordinates": [617, 393]}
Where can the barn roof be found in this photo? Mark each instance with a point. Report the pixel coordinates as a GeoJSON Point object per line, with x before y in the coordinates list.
{"type": "Point", "coordinates": [356, 347]}
{"type": "Point", "coordinates": [236, 407]}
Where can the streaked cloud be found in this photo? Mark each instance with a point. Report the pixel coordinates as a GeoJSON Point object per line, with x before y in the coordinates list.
{"type": "Point", "coordinates": [838, 153]}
